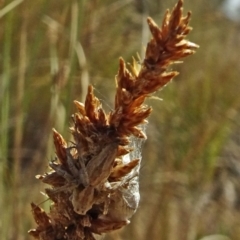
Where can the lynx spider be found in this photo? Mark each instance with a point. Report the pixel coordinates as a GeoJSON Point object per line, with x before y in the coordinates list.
{"type": "Point", "coordinates": [97, 170]}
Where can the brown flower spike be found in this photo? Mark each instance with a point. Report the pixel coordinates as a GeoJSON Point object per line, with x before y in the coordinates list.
{"type": "Point", "coordinates": [94, 182]}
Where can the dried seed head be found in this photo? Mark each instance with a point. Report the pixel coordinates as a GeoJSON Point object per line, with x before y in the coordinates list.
{"type": "Point", "coordinates": [94, 184]}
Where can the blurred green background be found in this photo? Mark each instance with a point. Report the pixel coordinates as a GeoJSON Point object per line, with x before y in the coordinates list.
{"type": "Point", "coordinates": [51, 51]}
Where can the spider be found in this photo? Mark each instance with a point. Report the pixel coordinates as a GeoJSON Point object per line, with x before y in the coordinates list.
{"type": "Point", "coordinates": [88, 181]}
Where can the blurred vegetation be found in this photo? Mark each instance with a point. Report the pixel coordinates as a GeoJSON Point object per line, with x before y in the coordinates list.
{"type": "Point", "coordinates": [51, 51]}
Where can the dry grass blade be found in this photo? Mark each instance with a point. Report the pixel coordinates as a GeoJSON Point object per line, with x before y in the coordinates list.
{"type": "Point", "coordinates": [93, 188]}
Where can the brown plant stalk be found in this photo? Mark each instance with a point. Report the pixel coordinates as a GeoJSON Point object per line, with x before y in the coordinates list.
{"type": "Point", "coordinates": [94, 181]}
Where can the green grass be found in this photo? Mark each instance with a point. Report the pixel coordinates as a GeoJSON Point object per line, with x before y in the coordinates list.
{"type": "Point", "coordinates": [186, 134]}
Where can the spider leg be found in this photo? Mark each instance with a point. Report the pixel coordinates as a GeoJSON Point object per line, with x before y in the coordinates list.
{"type": "Point", "coordinates": [83, 175]}
{"type": "Point", "coordinates": [71, 164]}
{"type": "Point", "coordinates": [52, 192]}
{"type": "Point", "coordinates": [61, 172]}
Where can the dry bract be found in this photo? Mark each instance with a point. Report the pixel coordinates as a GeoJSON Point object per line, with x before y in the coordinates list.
{"type": "Point", "coordinates": [93, 188]}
